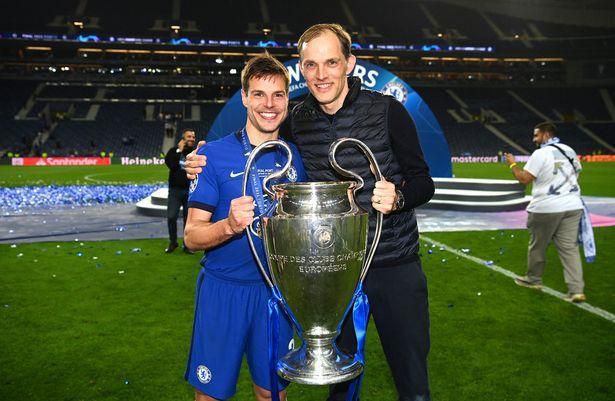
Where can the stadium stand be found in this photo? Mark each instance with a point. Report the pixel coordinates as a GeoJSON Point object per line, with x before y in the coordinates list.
{"type": "Point", "coordinates": [466, 137]}
{"type": "Point", "coordinates": [295, 15]}
{"type": "Point", "coordinates": [119, 128]}
{"type": "Point", "coordinates": [125, 129]}
{"type": "Point", "coordinates": [458, 24]}
{"type": "Point", "coordinates": [15, 135]}
{"type": "Point", "coordinates": [36, 109]}
{"type": "Point", "coordinates": [137, 17]}
{"type": "Point", "coordinates": [403, 25]}
{"type": "Point", "coordinates": [604, 131]}
{"type": "Point", "coordinates": [567, 104]}
{"type": "Point", "coordinates": [211, 25]}
{"type": "Point", "coordinates": [65, 91]}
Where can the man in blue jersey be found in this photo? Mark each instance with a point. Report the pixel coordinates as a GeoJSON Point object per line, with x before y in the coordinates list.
{"type": "Point", "coordinates": [231, 296]}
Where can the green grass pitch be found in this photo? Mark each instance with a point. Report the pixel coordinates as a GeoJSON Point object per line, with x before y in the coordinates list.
{"type": "Point", "coordinates": [13, 176]}
{"type": "Point", "coordinates": [592, 180]}
{"type": "Point", "coordinates": [97, 321]}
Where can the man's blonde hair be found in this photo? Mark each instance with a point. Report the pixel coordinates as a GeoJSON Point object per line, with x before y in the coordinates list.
{"type": "Point", "coordinates": [316, 30]}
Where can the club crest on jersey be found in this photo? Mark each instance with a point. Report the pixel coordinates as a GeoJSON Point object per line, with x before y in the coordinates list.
{"type": "Point", "coordinates": [292, 174]}
{"type": "Point", "coordinates": [203, 374]}
{"type": "Point", "coordinates": [193, 184]}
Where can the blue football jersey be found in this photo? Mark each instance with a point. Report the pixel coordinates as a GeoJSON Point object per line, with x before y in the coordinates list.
{"type": "Point", "coordinates": [220, 182]}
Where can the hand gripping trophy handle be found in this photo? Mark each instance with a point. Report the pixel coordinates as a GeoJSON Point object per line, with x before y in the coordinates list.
{"type": "Point", "coordinates": [346, 173]}
{"type": "Point", "coordinates": [271, 194]}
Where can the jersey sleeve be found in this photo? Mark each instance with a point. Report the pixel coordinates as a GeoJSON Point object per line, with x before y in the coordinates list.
{"type": "Point", "coordinates": [535, 163]}
{"type": "Point", "coordinates": [204, 193]}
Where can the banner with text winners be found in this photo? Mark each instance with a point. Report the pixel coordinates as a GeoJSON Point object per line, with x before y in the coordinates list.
{"type": "Point", "coordinates": [432, 139]}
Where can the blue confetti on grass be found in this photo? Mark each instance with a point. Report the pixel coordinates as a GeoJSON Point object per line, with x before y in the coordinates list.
{"type": "Point", "coordinates": [72, 195]}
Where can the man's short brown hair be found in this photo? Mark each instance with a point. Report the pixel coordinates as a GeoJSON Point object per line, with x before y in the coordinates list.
{"type": "Point", "coordinates": [319, 29]}
{"type": "Point", "coordinates": [261, 66]}
{"type": "Point", "coordinates": [547, 127]}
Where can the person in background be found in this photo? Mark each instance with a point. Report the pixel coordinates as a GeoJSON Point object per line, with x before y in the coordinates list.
{"type": "Point", "coordinates": [555, 211]}
{"type": "Point", "coordinates": [178, 186]}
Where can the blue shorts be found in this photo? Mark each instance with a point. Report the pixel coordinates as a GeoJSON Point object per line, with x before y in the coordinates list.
{"type": "Point", "coordinates": [230, 320]}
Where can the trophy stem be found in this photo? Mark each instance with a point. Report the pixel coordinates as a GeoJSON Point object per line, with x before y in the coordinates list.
{"type": "Point", "coordinates": [319, 362]}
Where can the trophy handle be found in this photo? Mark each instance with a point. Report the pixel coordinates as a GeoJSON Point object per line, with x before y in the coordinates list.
{"type": "Point", "coordinates": [347, 173]}
{"type": "Point", "coordinates": [269, 192]}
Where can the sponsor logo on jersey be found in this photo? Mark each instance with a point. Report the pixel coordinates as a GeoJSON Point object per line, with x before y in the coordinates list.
{"type": "Point", "coordinates": [203, 374]}
{"type": "Point", "coordinates": [235, 175]}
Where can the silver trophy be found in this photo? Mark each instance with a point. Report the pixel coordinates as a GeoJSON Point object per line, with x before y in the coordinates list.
{"type": "Point", "coordinates": [316, 244]}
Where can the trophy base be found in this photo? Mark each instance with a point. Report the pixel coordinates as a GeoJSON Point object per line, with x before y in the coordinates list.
{"type": "Point", "coordinates": [318, 366]}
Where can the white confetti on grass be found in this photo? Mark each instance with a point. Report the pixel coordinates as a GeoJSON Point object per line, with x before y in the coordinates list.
{"type": "Point", "coordinates": [584, 305]}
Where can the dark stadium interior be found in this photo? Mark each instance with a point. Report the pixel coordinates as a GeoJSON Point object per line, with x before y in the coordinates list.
{"type": "Point", "coordinates": [84, 77]}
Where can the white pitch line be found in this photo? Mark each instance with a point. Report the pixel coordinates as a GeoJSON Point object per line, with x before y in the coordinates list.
{"type": "Point", "coordinates": [584, 305]}
{"type": "Point", "coordinates": [89, 178]}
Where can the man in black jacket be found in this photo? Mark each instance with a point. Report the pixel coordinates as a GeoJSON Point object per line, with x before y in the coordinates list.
{"type": "Point", "coordinates": [395, 285]}
{"type": "Point", "coordinates": [178, 185]}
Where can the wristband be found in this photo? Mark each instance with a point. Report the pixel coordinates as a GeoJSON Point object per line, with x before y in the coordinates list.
{"type": "Point", "coordinates": [512, 165]}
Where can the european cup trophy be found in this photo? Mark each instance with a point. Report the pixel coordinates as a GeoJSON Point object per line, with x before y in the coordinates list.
{"type": "Point", "coordinates": [316, 243]}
